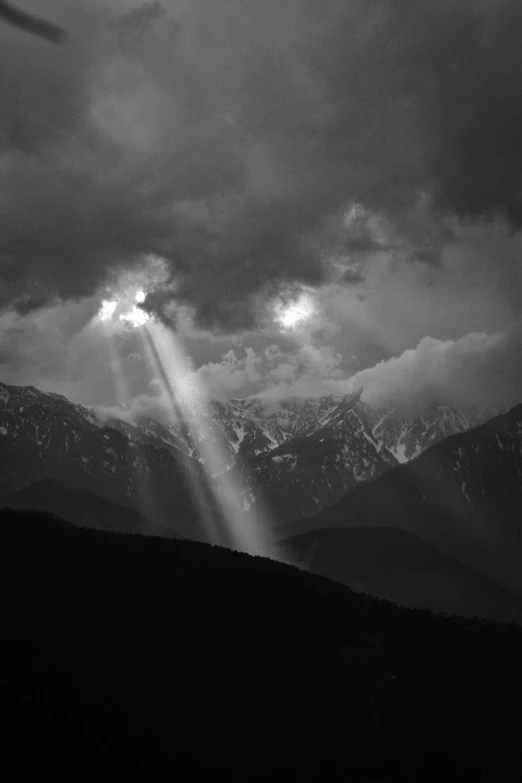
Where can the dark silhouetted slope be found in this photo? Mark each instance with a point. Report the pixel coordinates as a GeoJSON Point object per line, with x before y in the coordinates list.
{"type": "Point", "coordinates": [400, 567]}
{"type": "Point", "coordinates": [142, 658]}
{"type": "Point", "coordinates": [81, 508]}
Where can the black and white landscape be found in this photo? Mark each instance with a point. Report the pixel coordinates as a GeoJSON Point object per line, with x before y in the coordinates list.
{"type": "Point", "coordinates": [297, 459]}
{"type": "Point", "coordinates": [459, 499]}
{"type": "Point", "coordinates": [261, 390]}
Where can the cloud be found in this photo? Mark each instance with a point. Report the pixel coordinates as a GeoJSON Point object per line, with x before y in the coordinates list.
{"type": "Point", "coordinates": [477, 371]}
{"type": "Point", "coordinates": [477, 287]}
{"type": "Point", "coordinates": [152, 404]}
{"type": "Point", "coordinates": [274, 373]}
{"type": "Point", "coordinates": [481, 371]}
{"type": "Point", "coordinates": [348, 344]}
{"type": "Point", "coordinates": [225, 137]}
{"type": "Point", "coordinates": [66, 349]}
{"type": "Point", "coordinates": [231, 375]}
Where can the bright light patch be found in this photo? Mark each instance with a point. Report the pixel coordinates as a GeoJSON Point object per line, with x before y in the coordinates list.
{"type": "Point", "coordinates": [125, 308]}
{"type": "Point", "coordinates": [292, 315]}
{"type": "Point", "coordinates": [135, 317]}
{"type": "Point", "coordinates": [107, 310]}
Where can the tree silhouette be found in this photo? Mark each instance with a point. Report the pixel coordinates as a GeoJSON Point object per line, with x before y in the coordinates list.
{"type": "Point", "coordinates": [31, 24]}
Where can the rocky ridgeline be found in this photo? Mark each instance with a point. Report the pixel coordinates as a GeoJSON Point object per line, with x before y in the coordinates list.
{"type": "Point", "coordinates": [293, 460]}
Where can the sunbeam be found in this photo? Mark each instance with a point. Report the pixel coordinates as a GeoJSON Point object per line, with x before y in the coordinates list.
{"type": "Point", "coordinates": [143, 495]}
{"type": "Point", "coordinates": [121, 387]}
{"type": "Point", "coordinates": [188, 399]}
{"type": "Point", "coordinates": [168, 366]}
{"type": "Point", "coordinates": [215, 490]}
{"type": "Point", "coordinates": [198, 483]}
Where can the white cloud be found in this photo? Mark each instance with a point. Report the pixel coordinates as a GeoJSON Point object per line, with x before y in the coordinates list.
{"type": "Point", "coordinates": [154, 404]}
{"type": "Point", "coordinates": [231, 375]}
{"type": "Point", "coordinates": [478, 370]}
{"type": "Point", "coordinates": [307, 369]}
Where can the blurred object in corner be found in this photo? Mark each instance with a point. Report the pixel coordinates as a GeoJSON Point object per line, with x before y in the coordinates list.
{"type": "Point", "coordinates": [32, 24]}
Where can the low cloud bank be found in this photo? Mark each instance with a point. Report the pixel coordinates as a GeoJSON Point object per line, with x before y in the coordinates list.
{"type": "Point", "coordinates": [478, 371]}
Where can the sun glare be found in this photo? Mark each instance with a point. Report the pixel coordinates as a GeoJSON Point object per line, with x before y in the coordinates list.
{"type": "Point", "coordinates": [107, 310]}
{"type": "Point", "coordinates": [293, 315]}
{"type": "Point", "coordinates": [125, 308]}
{"type": "Point", "coordinates": [135, 317]}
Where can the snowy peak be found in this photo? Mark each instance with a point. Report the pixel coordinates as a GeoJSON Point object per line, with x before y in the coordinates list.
{"type": "Point", "coordinates": [464, 495]}
{"type": "Point", "coordinates": [26, 399]}
{"type": "Point", "coordinates": [331, 451]}
{"type": "Point", "coordinates": [45, 436]}
{"type": "Point", "coordinates": [295, 458]}
{"type": "Point", "coordinates": [408, 437]}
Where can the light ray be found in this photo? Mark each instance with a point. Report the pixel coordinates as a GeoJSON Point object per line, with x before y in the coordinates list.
{"type": "Point", "coordinates": [189, 400]}
{"type": "Point", "coordinates": [143, 493]}
{"type": "Point", "coordinates": [214, 488]}
{"type": "Point", "coordinates": [200, 492]}
{"type": "Point", "coordinates": [121, 387]}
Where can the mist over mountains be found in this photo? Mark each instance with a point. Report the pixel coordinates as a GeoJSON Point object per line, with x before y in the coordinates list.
{"type": "Point", "coordinates": [292, 461]}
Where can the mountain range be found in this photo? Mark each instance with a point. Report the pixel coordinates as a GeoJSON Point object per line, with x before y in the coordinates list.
{"type": "Point", "coordinates": [330, 446]}
{"type": "Point", "coordinates": [45, 436]}
{"type": "Point", "coordinates": [292, 461]}
{"type": "Point", "coordinates": [438, 530]}
{"type": "Point", "coordinates": [463, 495]}
{"type": "Point", "coordinates": [81, 508]}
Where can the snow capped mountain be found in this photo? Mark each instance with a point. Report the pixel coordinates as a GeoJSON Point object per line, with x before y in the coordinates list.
{"type": "Point", "coordinates": [407, 438]}
{"type": "Point", "coordinates": [305, 455]}
{"type": "Point", "coordinates": [46, 436]}
{"type": "Point", "coordinates": [464, 495]}
{"type": "Point", "coordinates": [292, 460]}
{"type": "Point", "coordinates": [330, 450]}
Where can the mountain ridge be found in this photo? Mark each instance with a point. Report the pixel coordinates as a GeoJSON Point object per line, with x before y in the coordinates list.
{"type": "Point", "coordinates": [464, 495]}
{"type": "Point", "coordinates": [396, 565]}
{"type": "Point", "coordinates": [142, 656]}
{"type": "Point", "coordinates": [81, 508]}
{"type": "Point", "coordinates": [291, 461]}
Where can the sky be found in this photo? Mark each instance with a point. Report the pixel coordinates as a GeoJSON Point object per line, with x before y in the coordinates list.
{"type": "Point", "coordinates": [313, 197]}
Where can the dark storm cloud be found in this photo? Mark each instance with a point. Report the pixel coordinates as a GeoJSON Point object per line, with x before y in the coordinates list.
{"type": "Point", "coordinates": [352, 277]}
{"type": "Point", "coordinates": [223, 136]}
{"type": "Point", "coordinates": [42, 87]}
{"type": "Point", "coordinates": [437, 83]}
